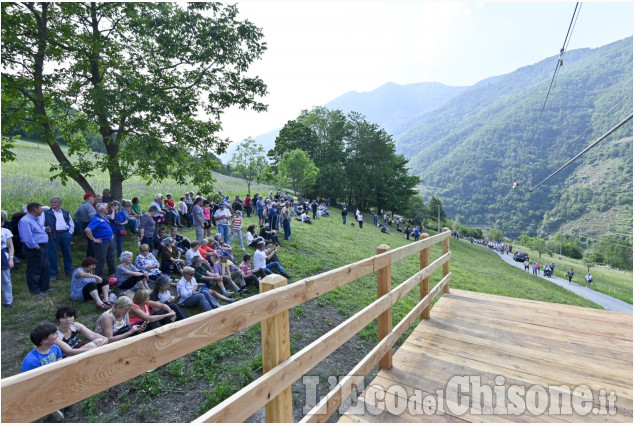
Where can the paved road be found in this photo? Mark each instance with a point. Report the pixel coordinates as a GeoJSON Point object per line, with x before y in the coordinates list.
{"type": "Point", "coordinates": [606, 301]}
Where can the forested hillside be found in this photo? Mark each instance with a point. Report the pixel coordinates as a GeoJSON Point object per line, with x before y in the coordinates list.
{"type": "Point", "coordinates": [470, 151]}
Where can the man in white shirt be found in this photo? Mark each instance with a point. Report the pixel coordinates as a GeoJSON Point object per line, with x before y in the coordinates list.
{"type": "Point", "coordinates": [260, 261]}
{"type": "Point", "coordinates": [222, 217]}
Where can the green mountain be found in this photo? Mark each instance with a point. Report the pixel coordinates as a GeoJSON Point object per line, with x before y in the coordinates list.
{"type": "Point", "coordinates": [470, 151]}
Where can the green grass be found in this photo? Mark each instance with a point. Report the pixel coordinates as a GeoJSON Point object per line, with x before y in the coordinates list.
{"type": "Point", "coordinates": [616, 283]}
{"type": "Point", "coordinates": [218, 370]}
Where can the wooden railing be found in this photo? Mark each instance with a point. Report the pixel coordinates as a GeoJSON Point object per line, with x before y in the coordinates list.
{"type": "Point", "coordinates": [31, 395]}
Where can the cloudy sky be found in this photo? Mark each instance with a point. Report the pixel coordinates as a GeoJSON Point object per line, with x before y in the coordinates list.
{"type": "Point", "coordinates": [320, 50]}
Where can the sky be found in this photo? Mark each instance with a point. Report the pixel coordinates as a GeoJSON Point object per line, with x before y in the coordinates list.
{"type": "Point", "coordinates": [320, 50]}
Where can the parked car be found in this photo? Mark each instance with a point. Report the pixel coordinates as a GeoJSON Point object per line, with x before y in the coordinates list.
{"type": "Point", "coordinates": [521, 256]}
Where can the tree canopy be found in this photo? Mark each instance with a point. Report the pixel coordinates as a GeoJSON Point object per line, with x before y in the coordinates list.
{"type": "Point", "coordinates": [249, 161]}
{"type": "Point", "coordinates": [152, 79]}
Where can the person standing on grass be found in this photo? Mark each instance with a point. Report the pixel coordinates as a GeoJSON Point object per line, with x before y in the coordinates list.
{"type": "Point", "coordinates": [344, 213]}
{"type": "Point", "coordinates": [147, 226]}
{"type": "Point", "coordinates": [222, 217]}
{"type": "Point", "coordinates": [62, 228]}
{"type": "Point", "coordinates": [286, 220]}
{"type": "Point", "coordinates": [248, 205]}
{"type": "Point", "coordinates": [570, 274]}
{"type": "Point", "coordinates": [359, 217]}
{"type": "Point", "coordinates": [198, 218]}
{"type": "Point", "coordinates": [589, 279]}
{"type": "Point", "coordinates": [7, 262]}
{"type": "Point", "coordinates": [101, 235]}
{"type": "Point", "coordinates": [237, 228]}
{"type": "Point", "coordinates": [35, 250]}
{"type": "Point", "coordinates": [83, 215]}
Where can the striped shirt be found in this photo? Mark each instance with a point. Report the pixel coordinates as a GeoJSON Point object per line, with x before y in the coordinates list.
{"type": "Point", "coordinates": [237, 223]}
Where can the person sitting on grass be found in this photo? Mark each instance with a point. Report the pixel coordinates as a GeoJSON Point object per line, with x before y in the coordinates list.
{"type": "Point", "coordinates": [161, 294]}
{"type": "Point", "coordinates": [114, 324]}
{"type": "Point", "coordinates": [268, 234]}
{"type": "Point", "coordinates": [251, 237]}
{"type": "Point", "coordinates": [171, 261]}
{"type": "Point", "coordinates": [206, 248]}
{"type": "Point", "coordinates": [250, 275]}
{"type": "Point", "coordinates": [220, 246]}
{"type": "Point", "coordinates": [229, 269]}
{"type": "Point", "coordinates": [130, 277]}
{"type": "Point", "coordinates": [157, 241]}
{"type": "Point", "coordinates": [44, 337]}
{"type": "Point", "coordinates": [140, 311]}
{"type": "Point", "coordinates": [182, 243]}
{"type": "Point", "coordinates": [192, 293]}
{"type": "Point", "coordinates": [85, 285]}
{"type": "Point", "coordinates": [201, 274]}
{"type": "Point", "coordinates": [69, 331]}
{"type": "Point", "coordinates": [147, 262]}
{"type": "Point", "coordinates": [260, 261]}
{"type": "Point", "coordinates": [193, 252]}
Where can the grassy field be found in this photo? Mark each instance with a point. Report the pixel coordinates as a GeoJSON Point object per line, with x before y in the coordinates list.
{"type": "Point", "coordinates": [213, 373]}
{"type": "Point", "coordinates": [616, 283]}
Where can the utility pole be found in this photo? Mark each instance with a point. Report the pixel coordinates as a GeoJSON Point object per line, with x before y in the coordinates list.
{"type": "Point", "coordinates": [560, 257]}
{"type": "Point", "coordinates": [439, 218]}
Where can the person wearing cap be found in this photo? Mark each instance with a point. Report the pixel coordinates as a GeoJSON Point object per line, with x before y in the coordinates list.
{"type": "Point", "coordinates": [101, 235]}
{"type": "Point", "coordinates": [83, 215]}
{"type": "Point", "coordinates": [222, 217]}
{"type": "Point", "coordinates": [62, 228]}
{"type": "Point", "coordinates": [147, 226]}
{"type": "Point", "coordinates": [35, 250]}
{"type": "Point", "coordinates": [260, 261]}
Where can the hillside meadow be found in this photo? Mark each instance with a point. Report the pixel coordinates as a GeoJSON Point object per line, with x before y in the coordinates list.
{"type": "Point", "coordinates": [213, 373]}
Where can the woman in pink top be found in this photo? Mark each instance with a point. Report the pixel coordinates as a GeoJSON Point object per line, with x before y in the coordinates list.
{"type": "Point", "coordinates": [207, 215]}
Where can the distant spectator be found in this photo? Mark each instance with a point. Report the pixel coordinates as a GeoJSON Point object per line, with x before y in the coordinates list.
{"type": "Point", "coordinates": [147, 226]}
{"type": "Point", "coordinates": [133, 217]}
{"type": "Point", "coordinates": [61, 228]}
{"type": "Point", "coordinates": [344, 213]}
{"type": "Point", "coordinates": [237, 228]}
{"type": "Point", "coordinates": [248, 208]}
{"type": "Point", "coordinates": [106, 196]}
{"type": "Point", "coordinates": [159, 217]}
{"type": "Point", "coordinates": [184, 212]}
{"type": "Point", "coordinates": [118, 219]}
{"type": "Point", "coordinates": [35, 250]}
{"type": "Point", "coordinates": [198, 218]}
{"type": "Point", "coordinates": [7, 263]}
{"type": "Point", "coordinates": [101, 235]}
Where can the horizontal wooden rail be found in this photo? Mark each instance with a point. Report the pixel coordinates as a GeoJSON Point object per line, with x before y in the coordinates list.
{"type": "Point", "coordinates": [329, 403]}
{"type": "Point", "coordinates": [27, 396]}
{"type": "Point", "coordinates": [247, 401]}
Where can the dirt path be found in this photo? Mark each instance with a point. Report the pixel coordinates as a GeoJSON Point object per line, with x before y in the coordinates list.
{"type": "Point", "coordinates": [606, 301]}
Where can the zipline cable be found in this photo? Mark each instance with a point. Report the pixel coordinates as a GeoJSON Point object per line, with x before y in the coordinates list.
{"type": "Point", "coordinates": [587, 130]}
{"type": "Point", "coordinates": [608, 133]}
{"type": "Point", "coordinates": [555, 74]}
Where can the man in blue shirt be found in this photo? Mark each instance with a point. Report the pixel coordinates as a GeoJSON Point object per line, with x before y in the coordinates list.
{"type": "Point", "coordinates": [101, 236]}
{"type": "Point", "coordinates": [34, 248]}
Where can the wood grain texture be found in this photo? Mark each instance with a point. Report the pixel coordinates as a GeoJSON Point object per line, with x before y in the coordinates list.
{"type": "Point", "coordinates": [525, 343]}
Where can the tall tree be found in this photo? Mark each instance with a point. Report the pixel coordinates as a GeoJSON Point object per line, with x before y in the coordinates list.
{"type": "Point", "coordinates": [249, 161]}
{"type": "Point", "coordinates": [298, 171]}
{"type": "Point", "coordinates": [153, 79]}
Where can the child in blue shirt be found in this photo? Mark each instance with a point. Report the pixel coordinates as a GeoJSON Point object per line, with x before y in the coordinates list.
{"type": "Point", "coordinates": [45, 351]}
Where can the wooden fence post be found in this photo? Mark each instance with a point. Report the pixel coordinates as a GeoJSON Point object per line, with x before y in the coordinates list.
{"type": "Point", "coordinates": [445, 246]}
{"type": "Point", "coordinates": [384, 321]}
{"type": "Point", "coordinates": [424, 289]}
{"type": "Point", "coordinates": [275, 349]}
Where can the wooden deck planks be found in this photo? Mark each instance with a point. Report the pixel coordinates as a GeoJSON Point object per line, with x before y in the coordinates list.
{"type": "Point", "coordinates": [527, 343]}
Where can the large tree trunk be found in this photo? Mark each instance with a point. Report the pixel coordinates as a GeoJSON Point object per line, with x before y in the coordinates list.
{"type": "Point", "coordinates": [38, 98]}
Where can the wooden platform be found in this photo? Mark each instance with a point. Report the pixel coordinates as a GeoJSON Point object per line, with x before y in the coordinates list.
{"type": "Point", "coordinates": [500, 343]}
